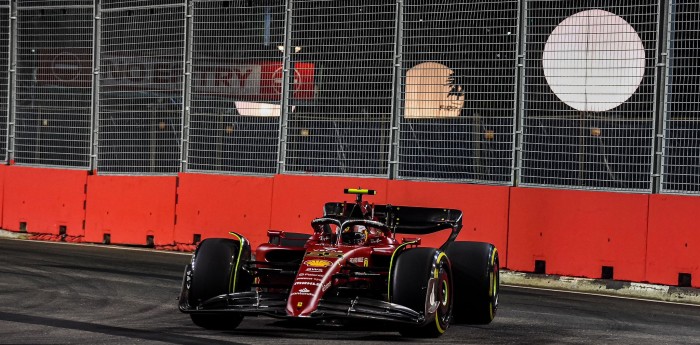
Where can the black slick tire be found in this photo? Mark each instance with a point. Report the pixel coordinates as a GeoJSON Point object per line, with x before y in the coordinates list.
{"type": "Point", "coordinates": [214, 272]}
{"type": "Point", "coordinates": [411, 274]}
{"type": "Point", "coordinates": [475, 268]}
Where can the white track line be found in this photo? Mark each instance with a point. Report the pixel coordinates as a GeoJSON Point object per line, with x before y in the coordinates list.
{"type": "Point", "coordinates": [599, 295]}
{"type": "Point", "coordinates": [107, 246]}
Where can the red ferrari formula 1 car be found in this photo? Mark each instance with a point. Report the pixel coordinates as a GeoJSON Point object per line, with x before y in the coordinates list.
{"type": "Point", "coordinates": [353, 266]}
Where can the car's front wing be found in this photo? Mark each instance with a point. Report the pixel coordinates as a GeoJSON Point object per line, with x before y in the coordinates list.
{"type": "Point", "coordinates": [274, 304]}
{"type": "Point", "coordinates": [366, 308]}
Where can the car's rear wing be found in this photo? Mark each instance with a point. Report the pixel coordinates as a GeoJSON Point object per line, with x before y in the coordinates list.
{"type": "Point", "coordinates": [405, 219]}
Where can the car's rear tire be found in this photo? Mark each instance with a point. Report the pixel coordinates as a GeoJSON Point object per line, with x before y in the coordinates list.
{"type": "Point", "coordinates": [409, 286]}
{"type": "Point", "coordinates": [216, 271]}
{"type": "Point", "coordinates": [475, 268]}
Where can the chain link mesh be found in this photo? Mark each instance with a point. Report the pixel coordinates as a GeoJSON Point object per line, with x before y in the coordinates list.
{"type": "Point", "coordinates": [681, 154]}
{"type": "Point", "coordinates": [54, 83]}
{"type": "Point", "coordinates": [588, 89]}
{"type": "Point", "coordinates": [4, 77]}
{"type": "Point", "coordinates": [142, 53]}
{"type": "Point", "coordinates": [458, 90]}
{"type": "Point", "coordinates": [589, 93]}
{"type": "Point", "coordinates": [340, 123]}
{"type": "Point", "coordinates": [236, 86]}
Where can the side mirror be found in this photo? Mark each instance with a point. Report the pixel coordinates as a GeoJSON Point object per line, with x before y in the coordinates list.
{"type": "Point", "coordinates": [415, 240]}
{"type": "Point", "coordinates": [275, 236]}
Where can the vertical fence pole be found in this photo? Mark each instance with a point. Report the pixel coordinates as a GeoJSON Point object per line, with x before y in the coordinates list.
{"type": "Point", "coordinates": [516, 174]}
{"type": "Point", "coordinates": [187, 87]}
{"type": "Point", "coordinates": [287, 73]}
{"type": "Point", "coordinates": [663, 91]}
{"type": "Point", "coordinates": [394, 133]}
{"type": "Point", "coordinates": [95, 100]}
{"type": "Point", "coordinates": [659, 111]}
{"type": "Point", "coordinates": [12, 89]}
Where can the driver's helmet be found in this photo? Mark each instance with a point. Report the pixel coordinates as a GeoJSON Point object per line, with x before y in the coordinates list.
{"type": "Point", "coordinates": [356, 234]}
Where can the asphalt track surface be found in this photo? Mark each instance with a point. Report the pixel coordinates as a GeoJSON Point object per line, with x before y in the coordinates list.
{"type": "Point", "coordinates": [52, 293]}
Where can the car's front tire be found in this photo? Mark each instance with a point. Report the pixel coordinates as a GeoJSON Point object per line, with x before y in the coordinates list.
{"type": "Point", "coordinates": [411, 276]}
{"type": "Point", "coordinates": [216, 271]}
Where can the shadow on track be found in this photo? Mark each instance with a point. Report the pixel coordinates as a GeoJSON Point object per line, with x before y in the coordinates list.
{"type": "Point", "coordinates": [110, 330]}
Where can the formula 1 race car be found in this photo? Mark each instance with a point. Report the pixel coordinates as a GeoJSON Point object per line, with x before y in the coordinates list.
{"type": "Point", "coordinates": [351, 267]}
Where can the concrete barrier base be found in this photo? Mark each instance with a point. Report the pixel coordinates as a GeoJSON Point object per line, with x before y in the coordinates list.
{"type": "Point", "coordinates": [614, 288]}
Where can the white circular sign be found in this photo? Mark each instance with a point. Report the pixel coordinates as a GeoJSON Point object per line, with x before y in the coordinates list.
{"type": "Point", "coordinates": [593, 60]}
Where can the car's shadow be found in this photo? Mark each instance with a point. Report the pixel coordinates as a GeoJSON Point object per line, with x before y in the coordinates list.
{"type": "Point", "coordinates": [374, 331]}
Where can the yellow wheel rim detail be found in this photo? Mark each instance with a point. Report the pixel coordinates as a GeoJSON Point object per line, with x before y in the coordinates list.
{"type": "Point", "coordinates": [493, 285]}
{"type": "Point", "coordinates": [446, 299]}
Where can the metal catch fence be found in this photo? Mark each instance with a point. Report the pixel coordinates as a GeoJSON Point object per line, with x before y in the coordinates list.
{"type": "Point", "coordinates": [54, 83]}
{"type": "Point", "coordinates": [593, 94]}
{"type": "Point", "coordinates": [458, 90]}
{"type": "Point", "coordinates": [141, 86]}
{"type": "Point", "coordinates": [681, 149]}
{"type": "Point", "coordinates": [341, 54]}
{"type": "Point", "coordinates": [236, 86]}
{"type": "Point", "coordinates": [589, 93]}
{"type": "Point", "coordinates": [4, 77]}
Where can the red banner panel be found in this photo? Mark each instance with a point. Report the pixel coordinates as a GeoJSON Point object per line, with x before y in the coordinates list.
{"type": "Point", "coordinates": [576, 233]}
{"type": "Point", "coordinates": [298, 199]}
{"type": "Point", "coordinates": [212, 205]}
{"type": "Point", "coordinates": [44, 200]}
{"type": "Point", "coordinates": [485, 209]}
{"type": "Point", "coordinates": [65, 67]}
{"type": "Point", "coordinates": [254, 80]}
{"type": "Point", "coordinates": [674, 239]}
{"type": "Point", "coordinates": [131, 209]}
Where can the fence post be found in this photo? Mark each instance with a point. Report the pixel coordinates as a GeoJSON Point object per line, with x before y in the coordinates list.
{"type": "Point", "coordinates": [519, 113]}
{"type": "Point", "coordinates": [12, 86]}
{"type": "Point", "coordinates": [95, 100]}
{"type": "Point", "coordinates": [187, 87]}
{"type": "Point", "coordinates": [287, 84]}
{"type": "Point", "coordinates": [660, 104]}
{"type": "Point", "coordinates": [394, 133]}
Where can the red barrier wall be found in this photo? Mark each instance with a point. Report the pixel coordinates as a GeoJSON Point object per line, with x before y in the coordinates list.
{"type": "Point", "coordinates": [2, 191]}
{"type": "Point", "coordinates": [129, 208]}
{"type": "Point", "coordinates": [674, 239]}
{"type": "Point", "coordinates": [298, 199]}
{"type": "Point", "coordinates": [643, 237]}
{"type": "Point", "coordinates": [485, 209]}
{"type": "Point", "coordinates": [213, 205]}
{"type": "Point", "coordinates": [578, 232]}
{"type": "Point", "coordinates": [45, 199]}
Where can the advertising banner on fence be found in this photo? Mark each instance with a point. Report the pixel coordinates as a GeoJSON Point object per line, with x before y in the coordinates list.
{"type": "Point", "coordinates": [251, 80]}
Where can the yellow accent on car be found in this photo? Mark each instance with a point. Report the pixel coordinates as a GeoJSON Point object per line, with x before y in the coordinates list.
{"type": "Point", "coordinates": [391, 265]}
{"type": "Point", "coordinates": [435, 275]}
{"type": "Point", "coordinates": [234, 273]}
{"type": "Point", "coordinates": [492, 283]}
{"type": "Point", "coordinates": [317, 263]}
{"type": "Point", "coordinates": [360, 191]}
